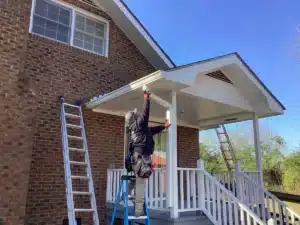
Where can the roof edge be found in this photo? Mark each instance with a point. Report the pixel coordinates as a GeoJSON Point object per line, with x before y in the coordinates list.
{"type": "Point", "coordinates": [259, 80]}
{"type": "Point", "coordinates": [147, 32]}
{"type": "Point", "coordinates": [235, 54]}
{"type": "Point", "coordinates": [125, 89]}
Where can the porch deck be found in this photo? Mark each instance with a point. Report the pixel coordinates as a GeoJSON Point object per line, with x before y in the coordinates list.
{"type": "Point", "coordinates": [162, 216]}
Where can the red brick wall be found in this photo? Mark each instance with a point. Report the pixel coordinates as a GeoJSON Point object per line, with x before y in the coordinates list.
{"type": "Point", "coordinates": [56, 69]}
{"type": "Point", "coordinates": [17, 111]}
{"type": "Point", "coordinates": [188, 147]}
{"type": "Point", "coordinates": [34, 71]}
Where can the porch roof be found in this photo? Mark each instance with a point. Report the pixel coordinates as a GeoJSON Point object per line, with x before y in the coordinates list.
{"type": "Point", "coordinates": [210, 92]}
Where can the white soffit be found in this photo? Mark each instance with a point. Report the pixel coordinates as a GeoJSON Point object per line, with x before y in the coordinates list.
{"type": "Point", "coordinates": [191, 80]}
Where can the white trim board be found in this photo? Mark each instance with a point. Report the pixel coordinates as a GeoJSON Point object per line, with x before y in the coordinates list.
{"type": "Point", "coordinates": [74, 10]}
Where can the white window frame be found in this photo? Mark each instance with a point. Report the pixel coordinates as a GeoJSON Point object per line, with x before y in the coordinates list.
{"type": "Point", "coordinates": [74, 9]}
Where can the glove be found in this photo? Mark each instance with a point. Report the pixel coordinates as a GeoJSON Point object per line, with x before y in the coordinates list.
{"type": "Point", "coordinates": [153, 168]}
{"type": "Point", "coordinates": [166, 125]}
{"type": "Point", "coordinates": [146, 94]}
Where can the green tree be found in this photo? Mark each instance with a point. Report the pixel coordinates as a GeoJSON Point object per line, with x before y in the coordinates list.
{"type": "Point", "coordinates": [291, 177]}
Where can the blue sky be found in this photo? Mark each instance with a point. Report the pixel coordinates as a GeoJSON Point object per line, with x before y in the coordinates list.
{"type": "Point", "coordinates": [262, 32]}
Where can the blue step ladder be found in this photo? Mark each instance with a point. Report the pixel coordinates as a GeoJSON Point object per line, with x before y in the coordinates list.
{"type": "Point", "coordinates": [124, 182]}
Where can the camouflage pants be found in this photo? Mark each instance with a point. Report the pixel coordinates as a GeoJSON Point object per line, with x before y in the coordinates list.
{"type": "Point", "coordinates": [140, 182]}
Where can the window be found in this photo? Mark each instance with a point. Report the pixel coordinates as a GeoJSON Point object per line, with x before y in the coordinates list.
{"type": "Point", "coordinates": [75, 27]}
{"type": "Point", "coordinates": [160, 149]}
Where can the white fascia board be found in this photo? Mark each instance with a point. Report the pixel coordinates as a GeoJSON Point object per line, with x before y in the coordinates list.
{"type": "Point", "coordinates": [273, 103]}
{"type": "Point", "coordinates": [125, 89]}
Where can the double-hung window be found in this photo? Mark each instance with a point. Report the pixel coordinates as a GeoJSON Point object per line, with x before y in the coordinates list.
{"type": "Point", "coordinates": [72, 26]}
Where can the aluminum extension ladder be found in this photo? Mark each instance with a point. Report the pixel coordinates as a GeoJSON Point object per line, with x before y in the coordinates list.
{"type": "Point", "coordinates": [226, 147]}
{"type": "Point", "coordinates": [79, 127]}
{"type": "Point", "coordinates": [126, 218]}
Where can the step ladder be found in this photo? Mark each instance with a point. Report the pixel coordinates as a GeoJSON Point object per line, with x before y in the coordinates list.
{"type": "Point", "coordinates": [69, 177]}
{"type": "Point", "coordinates": [124, 193]}
{"type": "Point", "coordinates": [226, 147]}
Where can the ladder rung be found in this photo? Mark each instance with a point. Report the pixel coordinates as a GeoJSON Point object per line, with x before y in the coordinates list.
{"type": "Point", "coordinates": [223, 142]}
{"type": "Point", "coordinates": [74, 126]}
{"type": "Point", "coordinates": [77, 149]}
{"type": "Point", "coordinates": [137, 218]}
{"type": "Point", "coordinates": [83, 210]}
{"type": "Point", "coordinates": [75, 137]}
{"type": "Point", "coordinates": [72, 115]}
{"type": "Point", "coordinates": [79, 177]}
{"type": "Point", "coordinates": [81, 193]}
{"type": "Point", "coordinates": [74, 106]}
{"type": "Point", "coordinates": [78, 163]}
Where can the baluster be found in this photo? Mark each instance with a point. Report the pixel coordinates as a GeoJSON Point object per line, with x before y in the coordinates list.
{"type": "Point", "coordinates": [286, 214]}
{"type": "Point", "coordinates": [188, 189]}
{"type": "Point", "coordinates": [161, 188]}
{"type": "Point", "coordinates": [194, 189]}
{"type": "Point", "coordinates": [263, 206]}
{"type": "Point", "coordinates": [219, 205]}
{"type": "Point", "coordinates": [280, 213]}
{"type": "Point", "coordinates": [242, 217]}
{"type": "Point", "coordinates": [151, 190]}
{"type": "Point", "coordinates": [181, 190]}
{"type": "Point", "coordinates": [274, 210]}
{"type": "Point", "coordinates": [223, 198]}
{"type": "Point", "coordinates": [230, 219]}
{"type": "Point", "coordinates": [156, 190]}
{"type": "Point", "coordinates": [248, 219]}
{"type": "Point", "coordinates": [236, 214]}
{"type": "Point", "coordinates": [207, 194]}
{"type": "Point", "coordinates": [212, 198]}
{"type": "Point", "coordinates": [268, 207]}
{"type": "Point", "coordinates": [114, 185]}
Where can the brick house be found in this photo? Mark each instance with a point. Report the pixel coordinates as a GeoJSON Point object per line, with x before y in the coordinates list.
{"type": "Point", "coordinates": [79, 49]}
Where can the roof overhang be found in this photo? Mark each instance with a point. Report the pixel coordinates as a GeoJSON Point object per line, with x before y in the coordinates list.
{"type": "Point", "coordinates": [202, 101]}
{"type": "Point", "coordinates": [136, 32]}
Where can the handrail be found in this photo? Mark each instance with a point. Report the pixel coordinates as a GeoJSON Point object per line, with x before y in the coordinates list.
{"type": "Point", "coordinates": [234, 198]}
{"type": "Point", "coordinates": [283, 208]}
{"type": "Point", "coordinates": [215, 201]}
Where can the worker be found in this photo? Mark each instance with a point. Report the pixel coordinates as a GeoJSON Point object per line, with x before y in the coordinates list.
{"type": "Point", "coordinates": [141, 147]}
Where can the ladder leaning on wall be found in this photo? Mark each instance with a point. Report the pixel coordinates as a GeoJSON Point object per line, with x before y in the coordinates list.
{"type": "Point", "coordinates": [226, 147]}
{"type": "Point", "coordinates": [68, 129]}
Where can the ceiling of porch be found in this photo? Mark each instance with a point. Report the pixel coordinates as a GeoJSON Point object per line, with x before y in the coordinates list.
{"type": "Point", "coordinates": [208, 93]}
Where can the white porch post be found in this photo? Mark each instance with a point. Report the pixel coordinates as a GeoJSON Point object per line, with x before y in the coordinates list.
{"type": "Point", "coordinates": [239, 181]}
{"type": "Point", "coordinates": [201, 188]}
{"type": "Point", "coordinates": [258, 153]}
{"type": "Point", "coordinates": [173, 137]}
{"type": "Point", "coordinates": [169, 163]}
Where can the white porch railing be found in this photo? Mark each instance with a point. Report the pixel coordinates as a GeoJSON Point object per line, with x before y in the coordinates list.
{"type": "Point", "coordinates": [155, 188]}
{"type": "Point", "coordinates": [254, 175]}
{"type": "Point", "coordinates": [245, 186]}
{"type": "Point", "coordinates": [229, 179]}
{"type": "Point", "coordinates": [199, 190]}
{"type": "Point", "coordinates": [271, 210]}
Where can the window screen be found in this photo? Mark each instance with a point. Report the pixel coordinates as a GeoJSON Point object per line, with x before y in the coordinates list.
{"type": "Point", "coordinates": [52, 20]}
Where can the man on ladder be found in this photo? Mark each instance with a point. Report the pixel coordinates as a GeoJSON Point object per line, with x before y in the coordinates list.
{"type": "Point", "coordinates": [141, 147]}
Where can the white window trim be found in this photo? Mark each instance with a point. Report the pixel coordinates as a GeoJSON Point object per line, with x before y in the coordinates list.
{"type": "Point", "coordinates": [74, 9]}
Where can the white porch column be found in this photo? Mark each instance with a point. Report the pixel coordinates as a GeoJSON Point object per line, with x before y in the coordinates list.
{"type": "Point", "coordinates": [169, 163]}
{"type": "Point", "coordinates": [258, 154]}
{"type": "Point", "coordinates": [239, 181]}
{"type": "Point", "coordinates": [173, 137]}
